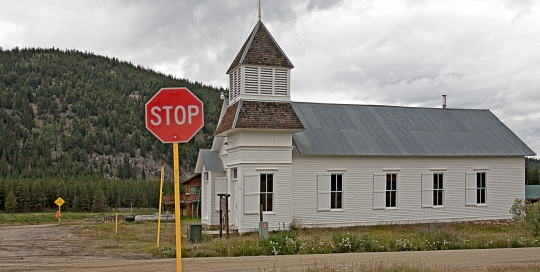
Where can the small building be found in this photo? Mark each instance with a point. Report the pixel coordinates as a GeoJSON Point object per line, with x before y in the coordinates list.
{"type": "Point", "coordinates": [532, 193]}
{"type": "Point", "coordinates": [188, 200]}
{"type": "Point", "coordinates": [191, 200]}
{"type": "Point", "coordinates": [334, 165]}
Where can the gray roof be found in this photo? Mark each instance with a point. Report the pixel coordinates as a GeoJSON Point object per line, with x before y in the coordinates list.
{"type": "Point", "coordinates": [211, 160]}
{"type": "Point", "coordinates": [334, 129]}
{"type": "Point", "coordinates": [532, 192]}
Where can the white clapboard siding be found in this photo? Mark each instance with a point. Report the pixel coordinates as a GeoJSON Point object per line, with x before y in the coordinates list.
{"type": "Point", "coordinates": [470, 189]}
{"type": "Point", "coordinates": [323, 192]}
{"type": "Point", "coordinates": [220, 188]}
{"type": "Point", "coordinates": [427, 190]}
{"type": "Point", "coordinates": [281, 199]}
{"type": "Point", "coordinates": [379, 191]}
{"type": "Point", "coordinates": [505, 181]}
{"type": "Point", "coordinates": [251, 194]}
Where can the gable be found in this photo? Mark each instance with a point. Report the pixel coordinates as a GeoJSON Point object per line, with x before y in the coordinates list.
{"type": "Point", "coordinates": [332, 129]}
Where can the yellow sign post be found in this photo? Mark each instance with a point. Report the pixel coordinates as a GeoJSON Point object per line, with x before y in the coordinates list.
{"type": "Point", "coordinates": [187, 122]}
{"type": "Point", "coordinates": [59, 201]}
{"type": "Point", "coordinates": [159, 212]}
{"type": "Point", "coordinates": [177, 208]}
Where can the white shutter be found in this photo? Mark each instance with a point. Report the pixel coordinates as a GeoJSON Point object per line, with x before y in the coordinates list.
{"type": "Point", "coordinates": [237, 82]}
{"type": "Point", "coordinates": [280, 81]}
{"type": "Point", "coordinates": [252, 192]}
{"type": "Point", "coordinates": [266, 77]}
{"type": "Point", "coordinates": [323, 192]}
{"type": "Point", "coordinates": [251, 82]}
{"type": "Point", "coordinates": [219, 188]}
{"type": "Point", "coordinates": [427, 190]}
{"type": "Point", "coordinates": [232, 86]}
{"type": "Point", "coordinates": [470, 189]}
{"type": "Point", "coordinates": [379, 191]}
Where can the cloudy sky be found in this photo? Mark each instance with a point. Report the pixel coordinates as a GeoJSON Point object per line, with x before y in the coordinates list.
{"type": "Point", "coordinates": [482, 54]}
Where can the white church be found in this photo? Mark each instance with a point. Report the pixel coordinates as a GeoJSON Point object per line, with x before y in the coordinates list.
{"type": "Point", "coordinates": [332, 165]}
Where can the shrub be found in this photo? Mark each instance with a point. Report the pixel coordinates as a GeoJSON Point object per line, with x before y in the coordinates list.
{"type": "Point", "coordinates": [528, 214]}
{"type": "Point", "coordinates": [165, 252]}
{"type": "Point", "coordinates": [345, 242]}
{"type": "Point", "coordinates": [281, 243]}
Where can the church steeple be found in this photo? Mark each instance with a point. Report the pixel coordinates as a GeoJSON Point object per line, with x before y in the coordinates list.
{"type": "Point", "coordinates": [261, 70]}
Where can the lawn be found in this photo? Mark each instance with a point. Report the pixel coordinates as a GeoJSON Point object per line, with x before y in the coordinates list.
{"type": "Point", "coordinates": [141, 236]}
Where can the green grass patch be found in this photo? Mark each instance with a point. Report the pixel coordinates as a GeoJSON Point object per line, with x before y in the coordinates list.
{"type": "Point", "coordinates": [141, 237]}
{"type": "Point", "coordinates": [420, 237]}
{"type": "Point", "coordinates": [49, 217]}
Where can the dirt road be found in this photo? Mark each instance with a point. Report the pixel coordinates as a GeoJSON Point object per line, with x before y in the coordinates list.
{"type": "Point", "coordinates": [54, 248]}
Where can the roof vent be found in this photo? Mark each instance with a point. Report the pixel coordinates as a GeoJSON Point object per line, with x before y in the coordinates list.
{"type": "Point", "coordinates": [444, 101]}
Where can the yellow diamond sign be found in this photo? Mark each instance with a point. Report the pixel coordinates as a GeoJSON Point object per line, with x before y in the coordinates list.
{"type": "Point", "coordinates": [59, 201]}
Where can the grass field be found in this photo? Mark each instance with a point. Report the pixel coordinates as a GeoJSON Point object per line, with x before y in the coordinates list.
{"type": "Point", "coordinates": [7, 219]}
{"type": "Point", "coordinates": [140, 238]}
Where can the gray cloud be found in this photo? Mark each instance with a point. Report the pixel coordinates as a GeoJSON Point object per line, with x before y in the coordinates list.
{"type": "Point", "coordinates": [482, 54]}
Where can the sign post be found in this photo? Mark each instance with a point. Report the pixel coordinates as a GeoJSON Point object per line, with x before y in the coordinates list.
{"type": "Point", "coordinates": [59, 201]}
{"type": "Point", "coordinates": [175, 115]}
{"type": "Point", "coordinates": [159, 210]}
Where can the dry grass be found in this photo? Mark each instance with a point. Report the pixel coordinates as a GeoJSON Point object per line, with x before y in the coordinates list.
{"type": "Point", "coordinates": [138, 237]}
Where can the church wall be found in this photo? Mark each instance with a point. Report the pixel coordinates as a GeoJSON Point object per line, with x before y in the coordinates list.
{"type": "Point", "coordinates": [505, 182]}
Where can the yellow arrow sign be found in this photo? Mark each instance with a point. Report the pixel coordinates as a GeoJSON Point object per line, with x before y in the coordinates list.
{"type": "Point", "coordinates": [59, 201]}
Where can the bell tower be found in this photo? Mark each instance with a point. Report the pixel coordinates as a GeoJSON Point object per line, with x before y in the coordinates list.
{"type": "Point", "coordinates": [261, 70]}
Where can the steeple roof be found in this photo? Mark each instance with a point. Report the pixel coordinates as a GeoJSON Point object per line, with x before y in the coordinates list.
{"type": "Point", "coordinates": [261, 49]}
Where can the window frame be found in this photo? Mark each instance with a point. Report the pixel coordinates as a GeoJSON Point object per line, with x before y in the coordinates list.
{"type": "Point", "coordinates": [194, 186]}
{"type": "Point", "coordinates": [393, 193]}
{"type": "Point", "coordinates": [264, 195]}
{"type": "Point", "coordinates": [335, 193]}
{"type": "Point", "coordinates": [480, 189]}
{"type": "Point", "coordinates": [234, 173]}
{"type": "Point", "coordinates": [439, 189]}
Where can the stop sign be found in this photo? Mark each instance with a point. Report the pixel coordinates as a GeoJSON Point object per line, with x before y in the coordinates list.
{"type": "Point", "coordinates": [174, 115]}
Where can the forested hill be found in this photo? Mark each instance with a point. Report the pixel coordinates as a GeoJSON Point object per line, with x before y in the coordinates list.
{"type": "Point", "coordinates": [74, 114]}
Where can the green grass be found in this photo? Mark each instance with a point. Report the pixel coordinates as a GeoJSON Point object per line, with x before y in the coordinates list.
{"type": "Point", "coordinates": [49, 217]}
{"type": "Point", "coordinates": [420, 237]}
{"type": "Point", "coordinates": [140, 237]}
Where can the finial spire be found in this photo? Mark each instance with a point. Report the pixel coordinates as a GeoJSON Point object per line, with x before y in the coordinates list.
{"type": "Point", "coordinates": [259, 10]}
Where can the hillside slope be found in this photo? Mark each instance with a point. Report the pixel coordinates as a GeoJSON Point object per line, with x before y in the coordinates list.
{"type": "Point", "coordinates": [70, 114]}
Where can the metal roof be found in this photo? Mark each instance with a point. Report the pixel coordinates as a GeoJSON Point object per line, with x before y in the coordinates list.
{"type": "Point", "coordinates": [211, 160]}
{"type": "Point", "coordinates": [337, 129]}
{"type": "Point", "coordinates": [532, 191]}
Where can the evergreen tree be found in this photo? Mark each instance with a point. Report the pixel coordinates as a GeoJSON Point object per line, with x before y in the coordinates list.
{"type": "Point", "coordinates": [98, 205]}
{"type": "Point", "coordinates": [11, 202]}
{"type": "Point", "coordinates": [77, 204]}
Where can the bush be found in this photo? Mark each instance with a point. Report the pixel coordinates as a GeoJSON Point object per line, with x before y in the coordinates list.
{"type": "Point", "coordinates": [528, 214]}
{"type": "Point", "coordinates": [281, 243]}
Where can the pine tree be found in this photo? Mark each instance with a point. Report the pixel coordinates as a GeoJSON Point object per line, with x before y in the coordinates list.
{"type": "Point", "coordinates": [98, 204]}
{"type": "Point", "coordinates": [11, 202]}
{"type": "Point", "coordinates": [77, 204]}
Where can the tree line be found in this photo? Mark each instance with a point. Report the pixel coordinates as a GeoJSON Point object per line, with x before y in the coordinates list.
{"type": "Point", "coordinates": [80, 195]}
{"type": "Point", "coordinates": [532, 175]}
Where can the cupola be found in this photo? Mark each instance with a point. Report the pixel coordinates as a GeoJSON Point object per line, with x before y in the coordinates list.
{"type": "Point", "coordinates": [260, 71]}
